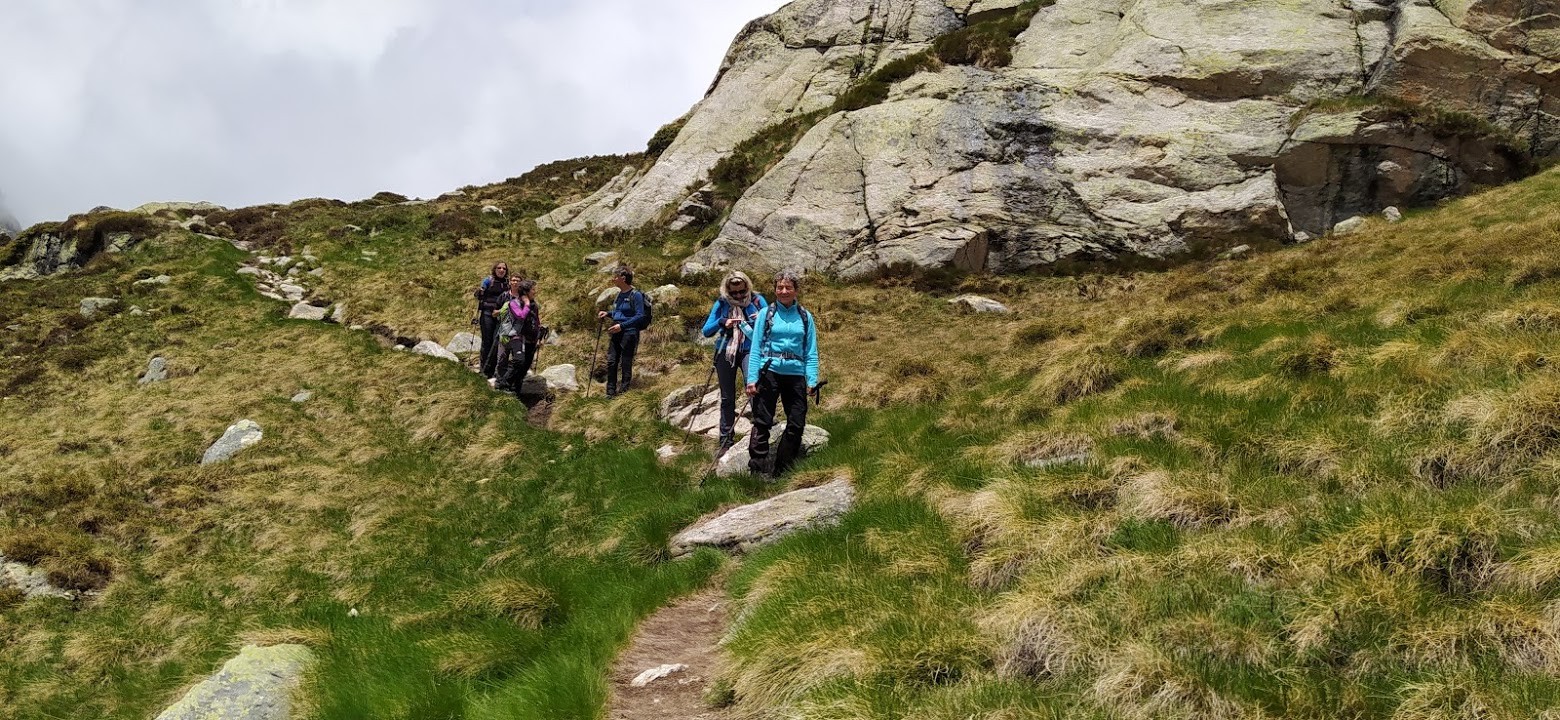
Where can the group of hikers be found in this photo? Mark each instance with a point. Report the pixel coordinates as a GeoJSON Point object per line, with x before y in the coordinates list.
{"type": "Point", "coordinates": [774, 346]}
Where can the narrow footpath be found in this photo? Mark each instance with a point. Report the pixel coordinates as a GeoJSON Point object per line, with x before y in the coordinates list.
{"type": "Point", "coordinates": [687, 633]}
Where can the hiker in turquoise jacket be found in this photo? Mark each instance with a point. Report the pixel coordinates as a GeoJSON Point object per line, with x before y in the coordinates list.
{"type": "Point", "coordinates": [732, 316]}
{"type": "Point", "coordinates": [783, 366]}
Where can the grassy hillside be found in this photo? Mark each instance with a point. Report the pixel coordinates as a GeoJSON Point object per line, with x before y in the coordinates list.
{"type": "Point", "coordinates": [1312, 483]}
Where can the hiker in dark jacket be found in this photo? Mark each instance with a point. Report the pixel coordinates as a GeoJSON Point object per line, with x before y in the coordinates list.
{"type": "Point", "coordinates": [628, 316]}
{"type": "Point", "coordinates": [487, 295]}
{"type": "Point", "coordinates": [783, 366]}
{"type": "Point", "coordinates": [519, 331]}
{"type": "Point", "coordinates": [732, 317]}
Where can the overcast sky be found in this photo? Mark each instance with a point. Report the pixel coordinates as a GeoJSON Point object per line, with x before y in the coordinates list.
{"type": "Point", "coordinates": [121, 102]}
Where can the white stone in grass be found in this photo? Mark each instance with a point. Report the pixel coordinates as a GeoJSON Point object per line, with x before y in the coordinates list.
{"type": "Point", "coordinates": [305, 311]}
{"type": "Point", "coordinates": [666, 453]}
{"type": "Point", "coordinates": [30, 580]}
{"type": "Point", "coordinates": [656, 673]}
{"type": "Point", "coordinates": [463, 343]}
{"type": "Point", "coordinates": [750, 526]}
{"type": "Point", "coordinates": [249, 270]}
{"type": "Point", "coordinates": [561, 378]}
{"type": "Point", "coordinates": [734, 462]}
{"type": "Point", "coordinates": [339, 315]}
{"type": "Point", "coordinates": [600, 258]}
{"type": "Point", "coordinates": [156, 371]}
{"type": "Point", "coordinates": [814, 438]}
{"type": "Point", "coordinates": [978, 304]}
{"type": "Point", "coordinates": [159, 280]}
{"type": "Point", "coordinates": [606, 295]}
{"type": "Point", "coordinates": [492, 210]}
{"type": "Point", "coordinates": [259, 684]}
{"type": "Point", "coordinates": [303, 396]}
{"type": "Point", "coordinates": [92, 305]}
{"type": "Point", "coordinates": [1350, 226]}
{"type": "Point", "coordinates": [433, 349]}
{"type": "Point", "coordinates": [239, 435]}
{"type": "Point", "coordinates": [665, 294]}
{"type": "Point", "coordinates": [1392, 214]}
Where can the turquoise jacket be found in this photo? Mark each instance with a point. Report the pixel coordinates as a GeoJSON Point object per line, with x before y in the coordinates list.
{"type": "Point", "coordinates": [790, 347]}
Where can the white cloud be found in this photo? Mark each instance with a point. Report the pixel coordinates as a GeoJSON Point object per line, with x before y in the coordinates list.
{"type": "Point", "coordinates": [247, 101]}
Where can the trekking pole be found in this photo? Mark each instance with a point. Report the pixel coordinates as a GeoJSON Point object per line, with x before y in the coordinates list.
{"type": "Point", "coordinates": [590, 372]}
{"type": "Point", "coordinates": [817, 392]}
{"type": "Point", "coordinates": [700, 407]}
{"type": "Point", "coordinates": [715, 464]}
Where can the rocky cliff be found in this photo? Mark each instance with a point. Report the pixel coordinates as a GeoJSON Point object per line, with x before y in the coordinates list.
{"type": "Point", "coordinates": [1117, 127]}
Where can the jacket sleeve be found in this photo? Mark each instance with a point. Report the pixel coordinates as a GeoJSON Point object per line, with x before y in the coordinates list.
{"type": "Point", "coordinates": [754, 361]}
{"type": "Point", "coordinates": [712, 323]}
{"type": "Point", "coordinates": [481, 288]}
{"type": "Point", "coordinates": [812, 350]}
{"type": "Point", "coordinates": [636, 305]}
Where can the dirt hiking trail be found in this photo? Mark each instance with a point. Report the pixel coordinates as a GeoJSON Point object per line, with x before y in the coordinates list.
{"type": "Point", "coordinates": [686, 632]}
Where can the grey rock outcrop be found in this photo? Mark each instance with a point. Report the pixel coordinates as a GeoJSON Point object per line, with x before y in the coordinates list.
{"type": "Point", "coordinates": [156, 371]}
{"type": "Point", "coordinates": [31, 581]}
{"type": "Point", "coordinates": [1154, 128]}
{"type": "Point", "coordinates": [240, 435]}
{"type": "Point", "coordinates": [555, 379]}
{"type": "Point", "coordinates": [258, 684]}
{"type": "Point", "coordinates": [750, 526]}
{"type": "Point", "coordinates": [685, 409]}
{"type": "Point", "coordinates": [794, 61]}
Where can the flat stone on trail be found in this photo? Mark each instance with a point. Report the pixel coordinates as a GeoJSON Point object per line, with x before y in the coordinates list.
{"type": "Point", "coordinates": [156, 371]}
{"type": "Point", "coordinates": [305, 311]}
{"type": "Point", "coordinates": [464, 342]}
{"type": "Point", "coordinates": [656, 673]}
{"type": "Point", "coordinates": [751, 526]}
{"type": "Point", "coordinates": [239, 435]}
{"type": "Point", "coordinates": [978, 304]}
{"type": "Point", "coordinates": [433, 349]}
{"type": "Point", "coordinates": [257, 685]}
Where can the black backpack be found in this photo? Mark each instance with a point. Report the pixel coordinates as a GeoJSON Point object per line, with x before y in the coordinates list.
{"type": "Point", "coordinates": [646, 306]}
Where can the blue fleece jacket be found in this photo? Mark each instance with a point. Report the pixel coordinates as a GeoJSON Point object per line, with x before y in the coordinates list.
{"type": "Point", "coordinates": [629, 311]}
{"type": "Point", "coordinates": [785, 338]}
{"type": "Point", "coordinates": [718, 313]}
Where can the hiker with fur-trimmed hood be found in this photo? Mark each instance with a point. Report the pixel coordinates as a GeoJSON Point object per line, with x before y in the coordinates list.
{"type": "Point", "coordinates": [783, 367]}
{"type": "Point", "coordinates": [736, 307]}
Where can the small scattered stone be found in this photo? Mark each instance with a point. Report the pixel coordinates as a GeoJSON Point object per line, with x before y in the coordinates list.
{"type": "Point", "coordinates": [492, 210]}
{"type": "Point", "coordinates": [240, 435]}
{"type": "Point", "coordinates": [249, 270]}
{"type": "Point", "coordinates": [606, 296]}
{"type": "Point", "coordinates": [30, 580]}
{"type": "Point", "coordinates": [1303, 237]}
{"type": "Point", "coordinates": [317, 272]}
{"type": "Point", "coordinates": [92, 305]}
{"type": "Point", "coordinates": [156, 371]}
{"type": "Point", "coordinates": [666, 453]}
{"type": "Point", "coordinates": [303, 396]}
{"type": "Point", "coordinates": [664, 294]}
{"type": "Point", "coordinates": [305, 311]}
{"type": "Point", "coordinates": [1392, 214]}
{"type": "Point", "coordinates": [433, 349]}
{"type": "Point", "coordinates": [600, 258]}
{"type": "Point", "coordinates": [159, 280]}
{"type": "Point", "coordinates": [1235, 252]}
{"type": "Point", "coordinates": [136, 310]}
{"type": "Point", "coordinates": [814, 438]}
{"type": "Point", "coordinates": [339, 315]}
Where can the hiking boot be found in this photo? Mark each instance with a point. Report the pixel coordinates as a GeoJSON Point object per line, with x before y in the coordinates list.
{"type": "Point", "coordinates": [726, 441]}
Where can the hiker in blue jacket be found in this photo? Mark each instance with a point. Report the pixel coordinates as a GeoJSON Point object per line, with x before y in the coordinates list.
{"type": "Point", "coordinates": [628, 316]}
{"type": "Point", "coordinates": [732, 316]}
{"type": "Point", "coordinates": [783, 366]}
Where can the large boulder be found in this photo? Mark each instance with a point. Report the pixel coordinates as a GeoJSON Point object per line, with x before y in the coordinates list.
{"type": "Point", "coordinates": [91, 306]}
{"type": "Point", "coordinates": [684, 408]}
{"type": "Point", "coordinates": [555, 379]}
{"type": "Point", "coordinates": [464, 343]}
{"type": "Point", "coordinates": [750, 526]}
{"type": "Point", "coordinates": [1159, 127]}
{"type": "Point", "coordinates": [240, 435]}
{"type": "Point", "coordinates": [259, 684]}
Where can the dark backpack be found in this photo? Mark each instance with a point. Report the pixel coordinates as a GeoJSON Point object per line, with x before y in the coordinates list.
{"type": "Point", "coordinates": [645, 306]}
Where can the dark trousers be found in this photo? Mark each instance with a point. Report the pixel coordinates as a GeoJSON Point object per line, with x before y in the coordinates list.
{"type": "Point", "coordinates": [620, 361]}
{"type": "Point", "coordinates": [728, 374]}
{"type": "Point", "coordinates": [791, 392]}
{"type": "Point", "coordinates": [516, 358]}
{"type": "Point", "coordinates": [489, 339]}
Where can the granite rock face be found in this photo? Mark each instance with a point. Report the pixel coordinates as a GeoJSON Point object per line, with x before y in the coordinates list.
{"type": "Point", "coordinates": [1148, 128]}
{"type": "Point", "coordinates": [259, 684]}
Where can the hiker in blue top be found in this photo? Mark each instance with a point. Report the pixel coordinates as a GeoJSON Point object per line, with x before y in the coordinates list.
{"type": "Point", "coordinates": [629, 315]}
{"type": "Point", "coordinates": [732, 316]}
{"type": "Point", "coordinates": [783, 366]}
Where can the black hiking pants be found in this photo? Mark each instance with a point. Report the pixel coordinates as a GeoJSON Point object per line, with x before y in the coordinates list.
{"type": "Point", "coordinates": [517, 356]}
{"type": "Point", "coordinates": [620, 360]}
{"type": "Point", "coordinates": [489, 339]}
{"type": "Point", "coordinates": [791, 392]}
{"type": "Point", "coordinates": [728, 374]}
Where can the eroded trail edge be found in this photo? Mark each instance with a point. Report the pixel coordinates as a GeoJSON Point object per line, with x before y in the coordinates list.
{"type": "Point", "coordinates": [685, 633]}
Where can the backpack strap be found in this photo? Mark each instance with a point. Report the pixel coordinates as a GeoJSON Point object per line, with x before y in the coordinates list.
{"type": "Point", "coordinates": [769, 324]}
